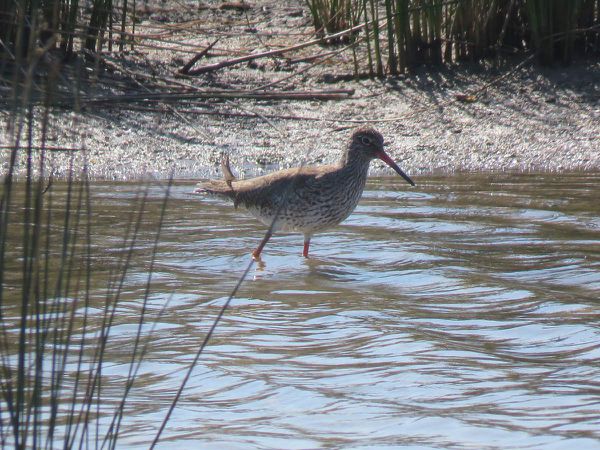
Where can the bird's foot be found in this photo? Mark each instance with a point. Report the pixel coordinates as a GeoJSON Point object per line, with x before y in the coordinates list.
{"type": "Point", "coordinates": [260, 265]}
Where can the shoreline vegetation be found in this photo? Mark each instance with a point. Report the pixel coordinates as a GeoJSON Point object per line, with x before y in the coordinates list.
{"type": "Point", "coordinates": [158, 90]}
{"type": "Point", "coordinates": [120, 90]}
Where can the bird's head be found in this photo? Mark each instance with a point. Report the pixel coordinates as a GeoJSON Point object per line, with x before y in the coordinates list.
{"type": "Point", "coordinates": [368, 143]}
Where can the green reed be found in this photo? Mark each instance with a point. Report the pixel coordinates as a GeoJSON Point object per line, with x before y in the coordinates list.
{"type": "Point", "coordinates": [372, 12]}
{"type": "Point", "coordinates": [553, 24]}
{"type": "Point", "coordinates": [52, 351]}
{"type": "Point", "coordinates": [401, 34]}
{"type": "Point", "coordinates": [66, 24]}
{"type": "Point", "coordinates": [331, 16]}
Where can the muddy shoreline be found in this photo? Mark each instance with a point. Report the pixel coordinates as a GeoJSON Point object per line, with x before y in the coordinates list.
{"type": "Point", "coordinates": [528, 119]}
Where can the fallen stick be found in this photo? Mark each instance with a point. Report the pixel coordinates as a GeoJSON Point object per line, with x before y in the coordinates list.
{"type": "Point", "coordinates": [241, 59]}
{"type": "Point", "coordinates": [273, 83]}
{"type": "Point", "coordinates": [312, 57]}
{"type": "Point", "coordinates": [250, 115]}
{"type": "Point", "coordinates": [134, 75]}
{"type": "Point", "coordinates": [49, 148]}
{"type": "Point", "coordinates": [333, 94]}
{"type": "Point", "coordinates": [185, 70]}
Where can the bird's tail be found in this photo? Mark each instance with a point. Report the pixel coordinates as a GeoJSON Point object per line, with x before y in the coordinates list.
{"type": "Point", "coordinates": [218, 187]}
{"type": "Point", "coordinates": [227, 173]}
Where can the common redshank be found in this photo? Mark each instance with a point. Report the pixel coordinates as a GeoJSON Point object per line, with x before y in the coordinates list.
{"type": "Point", "coordinates": [305, 199]}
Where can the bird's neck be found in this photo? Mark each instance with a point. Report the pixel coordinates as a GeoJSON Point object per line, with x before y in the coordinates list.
{"type": "Point", "coordinates": [355, 162]}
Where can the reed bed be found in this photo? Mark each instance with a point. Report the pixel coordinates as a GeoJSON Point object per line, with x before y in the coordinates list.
{"type": "Point", "coordinates": [331, 16]}
{"type": "Point", "coordinates": [386, 37]}
{"type": "Point", "coordinates": [29, 24]}
{"type": "Point", "coordinates": [437, 32]}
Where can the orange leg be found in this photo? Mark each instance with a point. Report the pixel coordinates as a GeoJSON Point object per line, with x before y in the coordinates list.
{"type": "Point", "coordinates": [306, 245]}
{"type": "Point", "coordinates": [256, 253]}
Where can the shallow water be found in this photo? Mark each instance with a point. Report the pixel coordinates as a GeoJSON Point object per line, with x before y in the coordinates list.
{"type": "Point", "coordinates": [463, 313]}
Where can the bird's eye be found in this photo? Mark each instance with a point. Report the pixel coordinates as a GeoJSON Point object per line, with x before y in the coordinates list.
{"type": "Point", "coordinates": [365, 140]}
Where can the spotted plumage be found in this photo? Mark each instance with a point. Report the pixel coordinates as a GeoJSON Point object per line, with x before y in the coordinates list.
{"type": "Point", "coordinates": [306, 199]}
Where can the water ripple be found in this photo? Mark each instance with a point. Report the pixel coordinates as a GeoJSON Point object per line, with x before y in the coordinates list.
{"type": "Point", "coordinates": [460, 315]}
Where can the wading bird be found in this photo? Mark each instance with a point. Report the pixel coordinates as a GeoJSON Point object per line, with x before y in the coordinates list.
{"type": "Point", "coordinates": [305, 199]}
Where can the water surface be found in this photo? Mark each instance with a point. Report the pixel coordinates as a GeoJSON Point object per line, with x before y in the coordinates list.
{"type": "Point", "coordinates": [463, 313]}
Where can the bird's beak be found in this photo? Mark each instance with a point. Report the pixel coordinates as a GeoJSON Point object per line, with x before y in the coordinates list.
{"type": "Point", "coordinates": [390, 162]}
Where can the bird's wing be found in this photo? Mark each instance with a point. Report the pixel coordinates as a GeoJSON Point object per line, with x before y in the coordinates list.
{"type": "Point", "coordinates": [267, 189]}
